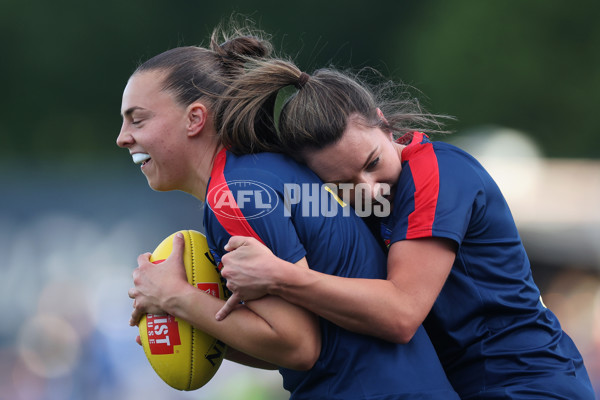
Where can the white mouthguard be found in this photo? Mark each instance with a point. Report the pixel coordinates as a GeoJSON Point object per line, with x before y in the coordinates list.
{"type": "Point", "coordinates": [139, 158]}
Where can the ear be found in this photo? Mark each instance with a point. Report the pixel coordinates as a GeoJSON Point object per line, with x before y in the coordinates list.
{"type": "Point", "coordinates": [380, 114]}
{"type": "Point", "coordinates": [197, 115]}
{"type": "Point", "coordinates": [389, 133]}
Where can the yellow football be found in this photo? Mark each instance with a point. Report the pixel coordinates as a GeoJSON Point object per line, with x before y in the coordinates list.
{"type": "Point", "coordinates": [183, 356]}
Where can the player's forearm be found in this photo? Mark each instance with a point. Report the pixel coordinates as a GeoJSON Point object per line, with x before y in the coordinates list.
{"type": "Point", "coordinates": [373, 307]}
{"type": "Point", "coordinates": [269, 337]}
{"type": "Point", "coordinates": [249, 361]}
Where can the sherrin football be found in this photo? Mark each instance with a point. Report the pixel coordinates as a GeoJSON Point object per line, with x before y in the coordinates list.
{"type": "Point", "coordinates": [183, 356]}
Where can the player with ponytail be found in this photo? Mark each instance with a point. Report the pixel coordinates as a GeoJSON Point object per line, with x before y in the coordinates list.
{"type": "Point", "coordinates": [456, 262]}
{"type": "Point", "coordinates": [168, 127]}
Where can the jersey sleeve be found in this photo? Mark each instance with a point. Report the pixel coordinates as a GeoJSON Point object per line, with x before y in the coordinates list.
{"type": "Point", "coordinates": [251, 202]}
{"type": "Point", "coordinates": [436, 196]}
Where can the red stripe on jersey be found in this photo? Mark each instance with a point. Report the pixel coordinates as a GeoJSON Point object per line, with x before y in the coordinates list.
{"type": "Point", "coordinates": [236, 224]}
{"type": "Point", "coordinates": [424, 167]}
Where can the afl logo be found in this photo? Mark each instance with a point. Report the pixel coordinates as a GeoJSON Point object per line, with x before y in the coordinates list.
{"type": "Point", "coordinates": [242, 199]}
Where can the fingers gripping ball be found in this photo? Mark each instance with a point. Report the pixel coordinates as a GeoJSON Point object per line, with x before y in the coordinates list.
{"type": "Point", "coordinates": [183, 356]}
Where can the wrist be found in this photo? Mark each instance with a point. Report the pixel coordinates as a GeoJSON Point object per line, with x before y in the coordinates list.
{"type": "Point", "coordinates": [284, 277]}
{"type": "Point", "coordinates": [173, 303]}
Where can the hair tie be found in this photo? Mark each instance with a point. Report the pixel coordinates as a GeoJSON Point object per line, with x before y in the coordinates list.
{"type": "Point", "coordinates": [302, 79]}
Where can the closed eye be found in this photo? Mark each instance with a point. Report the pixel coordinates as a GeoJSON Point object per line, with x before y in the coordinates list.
{"type": "Point", "coordinates": [137, 115]}
{"type": "Point", "coordinates": [373, 164]}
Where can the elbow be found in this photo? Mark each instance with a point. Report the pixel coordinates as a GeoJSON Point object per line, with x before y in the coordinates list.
{"type": "Point", "coordinates": [406, 336]}
{"type": "Point", "coordinates": [304, 358]}
{"type": "Point", "coordinates": [402, 333]}
{"type": "Point", "coordinates": [404, 326]}
{"type": "Point", "coordinates": [303, 363]}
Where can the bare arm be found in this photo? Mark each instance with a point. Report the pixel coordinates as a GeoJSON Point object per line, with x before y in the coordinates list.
{"type": "Point", "coordinates": [269, 329]}
{"type": "Point", "coordinates": [237, 356]}
{"type": "Point", "coordinates": [244, 359]}
{"type": "Point", "coordinates": [390, 309]}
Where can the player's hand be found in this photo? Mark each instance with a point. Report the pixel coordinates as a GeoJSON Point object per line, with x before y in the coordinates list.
{"type": "Point", "coordinates": [249, 268]}
{"type": "Point", "coordinates": [231, 303]}
{"type": "Point", "coordinates": [156, 286]}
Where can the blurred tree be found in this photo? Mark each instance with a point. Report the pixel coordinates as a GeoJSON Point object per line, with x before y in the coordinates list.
{"type": "Point", "coordinates": [533, 66]}
{"type": "Point", "coordinates": [528, 65]}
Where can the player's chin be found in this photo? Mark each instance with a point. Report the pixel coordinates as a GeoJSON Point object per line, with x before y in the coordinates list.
{"type": "Point", "coordinates": [153, 177]}
{"type": "Point", "coordinates": [159, 185]}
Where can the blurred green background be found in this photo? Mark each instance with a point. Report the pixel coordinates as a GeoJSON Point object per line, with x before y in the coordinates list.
{"type": "Point", "coordinates": [531, 65]}
{"type": "Point", "coordinates": [521, 77]}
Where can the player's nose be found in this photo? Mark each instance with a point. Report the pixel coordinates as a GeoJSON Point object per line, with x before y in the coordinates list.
{"type": "Point", "coordinates": [124, 139]}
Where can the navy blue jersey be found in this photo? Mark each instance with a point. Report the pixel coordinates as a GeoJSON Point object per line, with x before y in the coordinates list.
{"type": "Point", "coordinates": [493, 334]}
{"type": "Point", "coordinates": [285, 205]}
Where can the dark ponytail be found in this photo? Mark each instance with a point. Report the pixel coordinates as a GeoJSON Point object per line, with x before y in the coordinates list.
{"type": "Point", "coordinates": [237, 46]}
